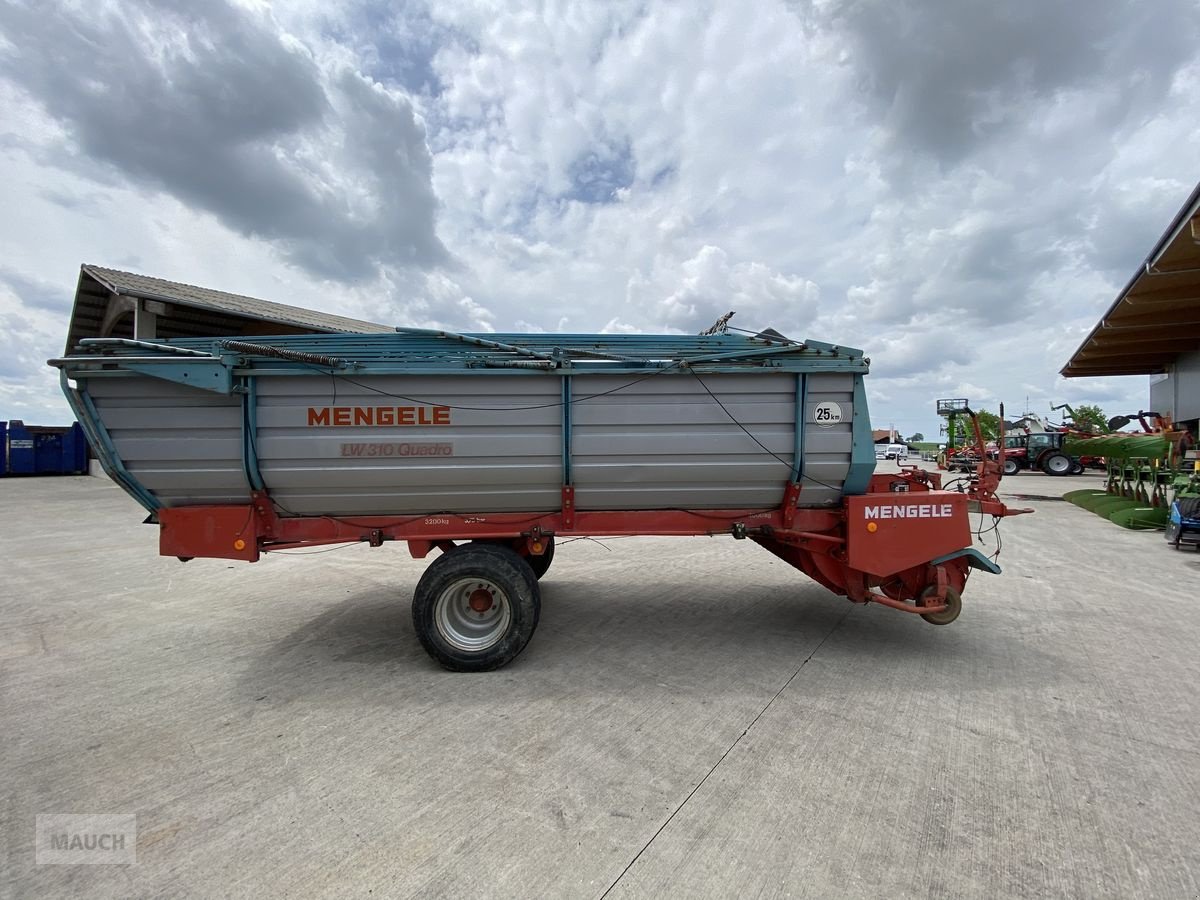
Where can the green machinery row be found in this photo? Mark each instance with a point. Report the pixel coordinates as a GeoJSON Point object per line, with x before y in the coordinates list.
{"type": "Point", "coordinates": [1149, 485]}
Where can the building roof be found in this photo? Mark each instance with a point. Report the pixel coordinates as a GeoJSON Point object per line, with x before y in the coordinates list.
{"type": "Point", "coordinates": [1156, 317]}
{"type": "Point", "coordinates": [195, 311]}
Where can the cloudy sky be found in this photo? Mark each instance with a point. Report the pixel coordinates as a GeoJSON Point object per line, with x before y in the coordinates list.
{"type": "Point", "coordinates": [958, 187]}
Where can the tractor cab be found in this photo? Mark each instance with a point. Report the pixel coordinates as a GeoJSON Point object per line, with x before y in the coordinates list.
{"type": "Point", "coordinates": [1039, 450]}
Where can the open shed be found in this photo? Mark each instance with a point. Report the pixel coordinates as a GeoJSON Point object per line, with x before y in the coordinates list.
{"type": "Point", "coordinates": [1153, 326]}
{"type": "Point", "coordinates": [112, 303]}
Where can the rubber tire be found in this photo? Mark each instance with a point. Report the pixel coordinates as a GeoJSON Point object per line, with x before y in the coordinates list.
{"type": "Point", "coordinates": [1054, 458]}
{"type": "Point", "coordinates": [500, 565]}
{"type": "Point", "coordinates": [1076, 468]}
{"type": "Point", "coordinates": [1011, 467]}
{"type": "Point", "coordinates": [953, 607]}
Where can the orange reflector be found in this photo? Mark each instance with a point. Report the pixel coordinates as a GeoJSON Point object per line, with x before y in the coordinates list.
{"type": "Point", "coordinates": [239, 544]}
{"type": "Point", "coordinates": [872, 527]}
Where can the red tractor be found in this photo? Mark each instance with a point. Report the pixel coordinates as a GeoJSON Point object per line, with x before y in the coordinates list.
{"type": "Point", "coordinates": [1040, 450]}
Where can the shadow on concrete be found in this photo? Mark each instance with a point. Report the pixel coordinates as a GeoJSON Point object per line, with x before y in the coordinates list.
{"type": "Point", "coordinates": [594, 637]}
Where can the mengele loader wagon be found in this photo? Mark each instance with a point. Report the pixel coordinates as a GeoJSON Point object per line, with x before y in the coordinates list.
{"type": "Point", "coordinates": [488, 448]}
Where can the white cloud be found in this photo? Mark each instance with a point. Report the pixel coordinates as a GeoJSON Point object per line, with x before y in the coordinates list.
{"type": "Point", "coordinates": [691, 295]}
{"type": "Point", "coordinates": [959, 191]}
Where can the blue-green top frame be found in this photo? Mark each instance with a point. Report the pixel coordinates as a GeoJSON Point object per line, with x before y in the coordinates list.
{"type": "Point", "coordinates": [211, 364]}
{"type": "Point", "coordinates": [230, 366]}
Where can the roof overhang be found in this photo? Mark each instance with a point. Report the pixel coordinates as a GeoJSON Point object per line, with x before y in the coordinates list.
{"type": "Point", "coordinates": [104, 298]}
{"type": "Point", "coordinates": [1156, 317]}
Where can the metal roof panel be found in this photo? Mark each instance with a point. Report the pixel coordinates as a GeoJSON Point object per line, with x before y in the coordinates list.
{"type": "Point", "coordinates": [1162, 298]}
{"type": "Point", "coordinates": [151, 288]}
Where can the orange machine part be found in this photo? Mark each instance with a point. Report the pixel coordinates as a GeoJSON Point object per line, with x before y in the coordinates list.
{"type": "Point", "coordinates": [217, 532]}
{"type": "Point", "coordinates": [888, 533]}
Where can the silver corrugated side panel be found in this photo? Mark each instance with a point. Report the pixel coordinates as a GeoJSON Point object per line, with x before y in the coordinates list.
{"type": "Point", "coordinates": [183, 444]}
{"type": "Point", "coordinates": [826, 451]}
{"type": "Point", "coordinates": [664, 443]}
{"type": "Point", "coordinates": [502, 445]}
{"type": "Point", "coordinates": [483, 443]}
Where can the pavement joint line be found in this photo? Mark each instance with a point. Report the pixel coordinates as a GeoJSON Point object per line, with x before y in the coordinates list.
{"type": "Point", "coordinates": [728, 750]}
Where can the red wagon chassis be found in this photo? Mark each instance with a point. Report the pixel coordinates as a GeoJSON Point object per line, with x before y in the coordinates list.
{"type": "Point", "coordinates": [904, 544]}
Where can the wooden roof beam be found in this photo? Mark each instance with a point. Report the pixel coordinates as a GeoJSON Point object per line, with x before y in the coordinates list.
{"type": "Point", "coordinates": [1149, 320]}
{"type": "Point", "coordinates": [1159, 332]}
{"type": "Point", "coordinates": [1160, 344]}
{"type": "Point", "coordinates": [1119, 352]}
{"type": "Point", "coordinates": [1100, 370]}
{"type": "Point", "coordinates": [1179, 293]}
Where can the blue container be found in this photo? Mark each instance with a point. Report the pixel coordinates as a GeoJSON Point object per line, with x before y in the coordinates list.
{"type": "Point", "coordinates": [41, 450]}
{"type": "Point", "coordinates": [74, 451]}
{"type": "Point", "coordinates": [47, 452]}
{"type": "Point", "coordinates": [20, 449]}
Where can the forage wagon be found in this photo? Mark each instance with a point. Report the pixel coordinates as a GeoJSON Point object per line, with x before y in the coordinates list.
{"type": "Point", "coordinates": [489, 448]}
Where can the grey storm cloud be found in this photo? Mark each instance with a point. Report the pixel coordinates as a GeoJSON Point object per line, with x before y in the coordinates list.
{"type": "Point", "coordinates": [23, 348]}
{"type": "Point", "coordinates": [35, 293]}
{"type": "Point", "coordinates": [206, 102]}
{"type": "Point", "coordinates": [950, 75]}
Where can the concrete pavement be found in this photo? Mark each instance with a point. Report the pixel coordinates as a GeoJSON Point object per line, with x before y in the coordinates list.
{"type": "Point", "coordinates": [693, 718]}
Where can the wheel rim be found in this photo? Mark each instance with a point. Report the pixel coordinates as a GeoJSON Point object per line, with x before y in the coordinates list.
{"type": "Point", "coordinates": [946, 616]}
{"type": "Point", "coordinates": [1010, 467]}
{"type": "Point", "coordinates": [1058, 464]}
{"type": "Point", "coordinates": [472, 614]}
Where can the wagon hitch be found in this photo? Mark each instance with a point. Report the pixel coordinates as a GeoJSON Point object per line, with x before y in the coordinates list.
{"type": "Point", "coordinates": [935, 595]}
{"type": "Point", "coordinates": [904, 606]}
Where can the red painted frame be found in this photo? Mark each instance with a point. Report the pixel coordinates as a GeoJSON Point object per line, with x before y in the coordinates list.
{"type": "Point", "coordinates": [835, 547]}
{"type": "Point", "coordinates": [243, 532]}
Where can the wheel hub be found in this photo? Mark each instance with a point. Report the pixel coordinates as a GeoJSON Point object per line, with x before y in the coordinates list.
{"type": "Point", "coordinates": [472, 614]}
{"type": "Point", "coordinates": [480, 600]}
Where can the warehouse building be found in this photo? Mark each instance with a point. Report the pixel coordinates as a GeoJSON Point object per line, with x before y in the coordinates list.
{"type": "Point", "coordinates": [1153, 327]}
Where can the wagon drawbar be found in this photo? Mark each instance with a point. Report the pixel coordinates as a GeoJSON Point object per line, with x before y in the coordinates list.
{"type": "Point", "coordinates": [488, 448]}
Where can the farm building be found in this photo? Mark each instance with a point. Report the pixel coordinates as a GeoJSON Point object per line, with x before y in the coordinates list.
{"type": "Point", "coordinates": [111, 303]}
{"type": "Point", "coordinates": [1153, 327]}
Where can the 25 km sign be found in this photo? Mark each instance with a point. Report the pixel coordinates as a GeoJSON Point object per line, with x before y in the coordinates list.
{"type": "Point", "coordinates": [827, 414]}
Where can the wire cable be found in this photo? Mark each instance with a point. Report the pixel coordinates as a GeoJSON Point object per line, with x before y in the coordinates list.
{"type": "Point", "coordinates": [315, 552]}
{"type": "Point", "coordinates": [750, 435]}
{"type": "Point", "coordinates": [334, 377]}
{"type": "Point", "coordinates": [557, 403]}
